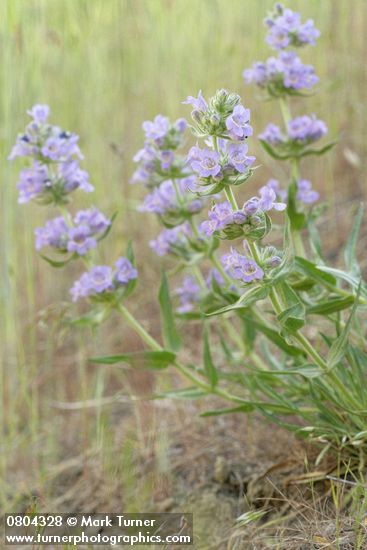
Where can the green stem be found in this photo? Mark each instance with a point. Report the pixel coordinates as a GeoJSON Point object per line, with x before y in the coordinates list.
{"type": "Point", "coordinates": [230, 196]}
{"type": "Point", "coordinates": [220, 269]}
{"type": "Point", "coordinates": [286, 113]}
{"type": "Point", "coordinates": [155, 346]}
{"type": "Point", "coordinates": [135, 325]}
{"type": "Point", "coordinates": [199, 276]}
{"type": "Point", "coordinates": [254, 251]}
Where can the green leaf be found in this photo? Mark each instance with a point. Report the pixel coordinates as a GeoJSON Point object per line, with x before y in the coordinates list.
{"type": "Point", "coordinates": [315, 240]}
{"type": "Point", "coordinates": [297, 219]}
{"type": "Point", "coordinates": [350, 248]}
{"type": "Point", "coordinates": [331, 306]}
{"type": "Point", "coordinates": [129, 288]}
{"type": "Point", "coordinates": [139, 359]}
{"type": "Point", "coordinates": [308, 371]}
{"type": "Point", "coordinates": [276, 338]}
{"type": "Point", "coordinates": [254, 294]}
{"type": "Point", "coordinates": [354, 282]}
{"type": "Point", "coordinates": [56, 263]}
{"type": "Point", "coordinates": [171, 337]}
{"type": "Point", "coordinates": [109, 227]}
{"type": "Point", "coordinates": [93, 318]}
{"type": "Point", "coordinates": [318, 152]}
{"type": "Point", "coordinates": [209, 368]}
{"type": "Point", "coordinates": [292, 318]}
{"type": "Point", "coordinates": [269, 149]}
{"type": "Point", "coordinates": [185, 393]}
{"type": "Point", "coordinates": [317, 273]}
{"type": "Point", "coordinates": [340, 346]}
{"type": "Point", "coordinates": [246, 408]}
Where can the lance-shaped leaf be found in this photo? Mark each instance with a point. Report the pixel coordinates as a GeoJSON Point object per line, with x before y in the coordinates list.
{"type": "Point", "coordinates": [139, 359]}
{"type": "Point", "coordinates": [209, 368]}
{"type": "Point", "coordinates": [252, 295]}
{"type": "Point", "coordinates": [59, 263]}
{"type": "Point", "coordinates": [331, 306]}
{"type": "Point", "coordinates": [340, 346]}
{"type": "Point", "coordinates": [297, 219]}
{"type": "Point", "coordinates": [171, 337]}
{"type": "Point", "coordinates": [276, 338]}
{"type": "Point", "coordinates": [292, 318]}
{"type": "Point", "coordinates": [317, 273]}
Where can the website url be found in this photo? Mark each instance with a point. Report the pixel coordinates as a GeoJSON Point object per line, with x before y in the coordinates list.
{"type": "Point", "coordinates": [83, 538]}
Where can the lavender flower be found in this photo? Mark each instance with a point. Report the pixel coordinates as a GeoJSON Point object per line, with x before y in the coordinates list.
{"type": "Point", "coordinates": [306, 129]}
{"type": "Point", "coordinates": [39, 113]}
{"type": "Point", "coordinates": [286, 29]}
{"type": "Point", "coordinates": [305, 192]}
{"type": "Point", "coordinates": [280, 193]}
{"type": "Point", "coordinates": [74, 177]}
{"type": "Point", "coordinates": [125, 271]}
{"type": "Point", "coordinates": [93, 219]}
{"type": "Point", "coordinates": [204, 162]}
{"type": "Point", "coordinates": [267, 200]}
{"type": "Point", "coordinates": [157, 129]}
{"type": "Point", "coordinates": [61, 147]}
{"type": "Point", "coordinates": [272, 135]}
{"type": "Point", "coordinates": [102, 279]}
{"type": "Point", "coordinates": [220, 216]}
{"type": "Point", "coordinates": [54, 233]}
{"type": "Point", "coordinates": [164, 199]}
{"type": "Point", "coordinates": [198, 103]}
{"type": "Point", "coordinates": [32, 182]}
{"type": "Point", "coordinates": [80, 240]}
{"type": "Point", "coordinates": [242, 268]}
{"type": "Point", "coordinates": [237, 157]}
{"type": "Point", "coordinates": [169, 238]}
{"type": "Point", "coordinates": [55, 172]}
{"type": "Point", "coordinates": [188, 294]}
{"type": "Point", "coordinates": [238, 123]}
{"type": "Point", "coordinates": [287, 72]}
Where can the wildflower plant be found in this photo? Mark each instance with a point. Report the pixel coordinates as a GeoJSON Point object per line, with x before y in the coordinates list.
{"type": "Point", "coordinates": [261, 297]}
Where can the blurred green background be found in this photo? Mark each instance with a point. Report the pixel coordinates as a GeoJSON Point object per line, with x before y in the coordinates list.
{"type": "Point", "coordinates": [104, 66]}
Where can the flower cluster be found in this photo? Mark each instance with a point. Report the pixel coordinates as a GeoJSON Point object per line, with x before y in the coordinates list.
{"type": "Point", "coordinates": [79, 238]}
{"type": "Point", "coordinates": [230, 161]}
{"type": "Point", "coordinates": [285, 74]}
{"type": "Point", "coordinates": [241, 267]}
{"type": "Point", "coordinates": [158, 160]}
{"type": "Point", "coordinates": [222, 116]}
{"type": "Point", "coordinates": [305, 193]}
{"type": "Point", "coordinates": [245, 221]}
{"type": "Point", "coordinates": [55, 171]}
{"type": "Point", "coordinates": [103, 280]}
{"type": "Point", "coordinates": [190, 293]}
{"type": "Point", "coordinates": [301, 130]}
{"type": "Point", "coordinates": [170, 240]}
{"type": "Point", "coordinates": [286, 29]}
{"type": "Point", "coordinates": [173, 198]}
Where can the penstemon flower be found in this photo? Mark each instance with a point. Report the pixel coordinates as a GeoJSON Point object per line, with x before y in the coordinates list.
{"type": "Point", "coordinates": [159, 160]}
{"type": "Point", "coordinates": [283, 75]}
{"type": "Point", "coordinates": [79, 238]}
{"type": "Point", "coordinates": [103, 281]}
{"type": "Point", "coordinates": [301, 132]}
{"type": "Point", "coordinates": [171, 240]}
{"type": "Point", "coordinates": [242, 268]}
{"type": "Point", "coordinates": [188, 294]}
{"type": "Point", "coordinates": [286, 29]}
{"type": "Point", "coordinates": [55, 154]}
